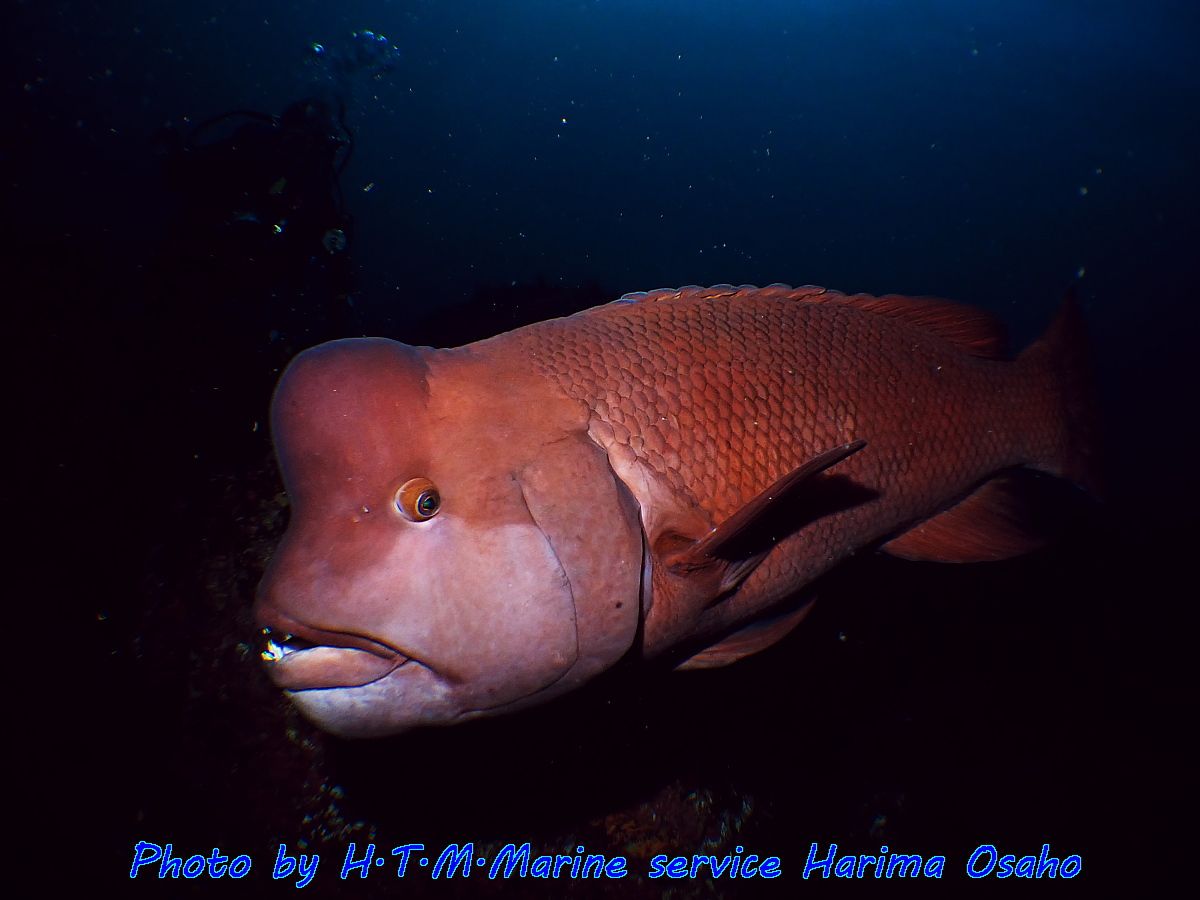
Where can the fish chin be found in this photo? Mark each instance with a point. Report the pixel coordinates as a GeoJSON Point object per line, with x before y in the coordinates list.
{"type": "Point", "coordinates": [410, 696]}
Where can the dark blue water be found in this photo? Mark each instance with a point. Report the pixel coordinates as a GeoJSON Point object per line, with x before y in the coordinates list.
{"type": "Point", "coordinates": [535, 154]}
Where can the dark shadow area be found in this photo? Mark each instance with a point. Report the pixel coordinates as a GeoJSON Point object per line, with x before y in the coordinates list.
{"type": "Point", "coordinates": [494, 309]}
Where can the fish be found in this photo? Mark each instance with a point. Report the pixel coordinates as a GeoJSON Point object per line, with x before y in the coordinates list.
{"type": "Point", "coordinates": [478, 530]}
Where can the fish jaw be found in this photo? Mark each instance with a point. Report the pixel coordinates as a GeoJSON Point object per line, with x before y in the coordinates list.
{"type": "Point", "coordinates": [326, 667]}
{"type": "Point", "coordinates": [433, 635]}
{"type": "Point", "coordinates": [355, 686]}
{"type": "Point", "coordinates": [342, 684]}
{"type": "Point", "coordinates": [409, 696]}
{"type": "Point", "coordinates": [300, 657]}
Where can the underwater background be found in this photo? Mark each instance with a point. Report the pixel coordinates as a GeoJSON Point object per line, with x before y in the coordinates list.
{"type": "Point", "coordinates": [450, 170]}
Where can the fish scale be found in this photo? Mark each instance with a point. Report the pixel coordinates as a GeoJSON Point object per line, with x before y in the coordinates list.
{"type": "Point", "coordinates": [720, 391]}
{"type": "Point", "coordinates": [727, 355]}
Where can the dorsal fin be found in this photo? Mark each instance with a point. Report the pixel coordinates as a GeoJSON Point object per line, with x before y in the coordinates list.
{"type": "Point", "coordinates": [975, 331]}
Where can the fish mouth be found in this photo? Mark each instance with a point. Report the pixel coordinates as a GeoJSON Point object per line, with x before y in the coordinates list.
{"type": "Point", "coordinates": [302, 657]}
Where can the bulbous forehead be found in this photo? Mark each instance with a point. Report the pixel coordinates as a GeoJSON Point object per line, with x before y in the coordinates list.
{"type": "Point", "coordinates": [351, 409]}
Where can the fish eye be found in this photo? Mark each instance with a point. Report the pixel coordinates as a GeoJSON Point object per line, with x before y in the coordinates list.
{"type": "Point", "coordinates": [418, 499]}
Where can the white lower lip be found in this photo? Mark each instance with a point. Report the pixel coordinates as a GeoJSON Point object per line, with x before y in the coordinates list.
{"type": "Point", "coordinates": [324, 667]}
{"type": "Point", "coordinates": [408, 697]}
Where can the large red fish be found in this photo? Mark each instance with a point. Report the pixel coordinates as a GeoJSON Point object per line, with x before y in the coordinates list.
{"type": "Point", "coordinates": [481, 529]}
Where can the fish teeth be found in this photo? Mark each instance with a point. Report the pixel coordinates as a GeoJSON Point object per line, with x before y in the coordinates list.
{"type": "Point", "coordinates": [276, 650]}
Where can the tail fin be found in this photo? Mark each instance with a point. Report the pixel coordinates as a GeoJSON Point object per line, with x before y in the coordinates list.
{"type": "Point", "coordinates": [1065, 349]}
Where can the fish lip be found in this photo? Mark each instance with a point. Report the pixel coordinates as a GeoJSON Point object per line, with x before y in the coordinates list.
{"type": "Point", "coordinates": [282, 670]}
{"type": "Point", "coordinates": [342, 658]}
{"type": "Point", "coordinates": [410, 696]}
{"type": "Point", "coordinates": [274, 620]}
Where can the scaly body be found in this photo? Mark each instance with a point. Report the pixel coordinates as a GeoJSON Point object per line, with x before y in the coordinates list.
{"type": "Point", "coordinates": [688, 460]}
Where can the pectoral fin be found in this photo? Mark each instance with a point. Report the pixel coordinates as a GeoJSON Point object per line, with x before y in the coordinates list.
{"type": "Point", "coordinates": [690, 575]}
{"type": "Point", "coordinates": [716, 546]}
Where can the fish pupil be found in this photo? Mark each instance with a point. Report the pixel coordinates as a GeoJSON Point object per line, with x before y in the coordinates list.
{"type": "Point", "coordinates": [427, 503]}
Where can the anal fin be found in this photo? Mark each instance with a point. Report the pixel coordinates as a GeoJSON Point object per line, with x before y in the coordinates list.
{"type": "Point", "coordinates": [750, 639]}
{"type": "Point", "coordinates": [993, 523]}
